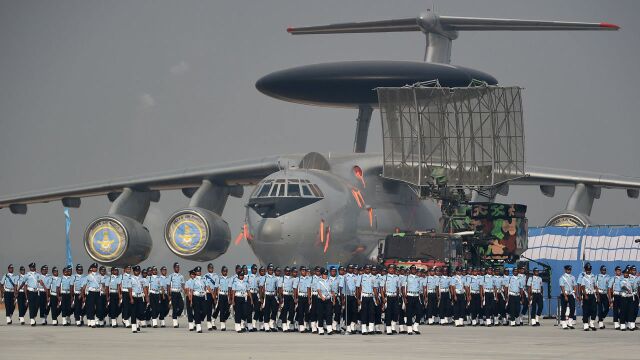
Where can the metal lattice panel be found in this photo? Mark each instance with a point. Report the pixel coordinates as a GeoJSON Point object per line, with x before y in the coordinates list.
{"type": "Point", "coordinates": [471, 136]}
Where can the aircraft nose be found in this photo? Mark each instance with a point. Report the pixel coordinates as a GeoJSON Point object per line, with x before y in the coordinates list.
{"type": "Point", "coordinates": [271, 230]}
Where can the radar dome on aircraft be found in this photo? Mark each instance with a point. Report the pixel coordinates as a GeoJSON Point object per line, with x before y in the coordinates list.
{"type": "Point", "coordinates": [353, 83]}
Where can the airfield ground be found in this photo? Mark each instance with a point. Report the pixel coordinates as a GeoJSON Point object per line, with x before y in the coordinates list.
{"type": "Point", "coordinates": [435, 342]}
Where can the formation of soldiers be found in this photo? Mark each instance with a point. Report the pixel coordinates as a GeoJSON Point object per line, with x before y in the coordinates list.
{"type": "Point", "coordinates": [353, 299]}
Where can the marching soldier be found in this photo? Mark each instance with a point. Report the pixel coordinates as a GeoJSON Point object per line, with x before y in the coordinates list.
{"type": "Point", "coordinates": [44, 282]}
{"type": "Point", "coordinates": [514, 291]}
{"type": "Point", "coordinates": [175, 287]}
{"type": "Point", "coordinates": [444, 298]}
{"type": "Point", "coordinates": [567, 298]}
{"type": "Point", "coordinates": [9, 289]}
{"type": "Point", "coordinates": [377, 274]}
{"type": "Point", "coordinates": [614, 294]}
{"type": "Point", "coordinates": [222, 306]}
{"type": "Point", "coordinates": [103, 298]}
{"type": "Point", "coordinates": [115, 297]}
{"type": "Point", "coordinates": [475, 298]}
{"type": "Point", "coordinates": [588, 292]}
{"type": "Point", "coordinates": [269, 300]}
{"type": "Point", "coordinates": [189, 304]}
{"type": "Point", "coordinates": [635, 284]}
{"type": "Point", "coordinates": [534, 288]}
{"type": "Point", "coordinates": [137, 299]}
{"type": "Point", "coordinates": [626, 297]}
{"type": "Point", "coordinates": [489, 295]}
{"type": "Point", "coordinates": [66, 295]}
{"type": "Point", "coordinates": [241, 299]}
{"type": "Point", "coordinates": [22, 295]}
{"type": "Point", "coordinates": [54, 296]}
{"type": "Point", "coordinates": [336, 278]}
{"type": "Point", "coordinates": [287, 313]}
{"type": "Point", "coordinates": [390, 296]}
{"type": "Point", "coordinates": [155, 290]}
{"type": "Point", "coordinates": [91, 291]}
{"type": "Point", "coordinates": [197, 298]}
{"type": "Point", "coordinates": [326, 297]}
{"type": "Point", "coordinates": [411, 293]}
{"type": "Point", "coordinates": [125, 285]}
{"type": "Point", "coordinates": [366, 292]}
{"type": "Point", "coordinates": [302, 294]}
{"type": "Point", "coordinates": [350, 303]}
{"type": "Point", "coordinates": [313, 312]}
{"type": "Point", "coordinates": [603, 283]}
{"type": "Point", "coordinates": [78, 283]}
{"type": "Point", "coordinates": [211, 282]}
{"type": "Point", "coordinates": [523, 276]}
{"type": "Point", "coordinates": [458, 297]}
{"type": "Point", "coordinates": [164, 295]}
{"type": "Point", "coordinates": [254, 314]}
{"type": "Point", "coordinates": [431, 296]}
{"type": "Point", "coordinates": [31, 284]}
{"type": "Point", "coordinates": [146, 317]}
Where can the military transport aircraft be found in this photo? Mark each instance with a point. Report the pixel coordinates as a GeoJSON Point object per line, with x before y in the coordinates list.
{"type": "Point", "coordinates": [312, 208]}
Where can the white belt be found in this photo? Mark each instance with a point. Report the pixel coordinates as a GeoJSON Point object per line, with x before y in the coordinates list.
{"type": "Point", "coordinates": [9, 290]}
{"type": "Point", "coordinates": [590, 292]}
{"type": "Point", "coordinates": [459, 292]}
{"type": "Point", "coordinates": [154, 292]}
{"type": "Point", "coordinates": [412, 294]}
{"type": "Point", "coordinates": [269, 292]}
{"type": "Point", "coordinates": [287, 293]}
{"type": "Point", "coordinates": [254, 290]}
{"type": "Point", "coordinates": [53, 293]}
{"type": "Point", "coordinates": [444, 291]}
{"type": "Point", "coordinates": [535, 291]}
{"type": "Point", "coordinates": [198, 293]}
{"type": "Point", "coordinates": [135, 295]}
{"type": "Point", "coordinates": [32, 289]}
{"type": "Point", "coordinates": [514, 293]}
{"type": "Point", "coordinates": [240, 294]}
{"type": "Point", "coordinates": [113, 292]}
{"type": "Point", "coordinates": [125, 290]}
{"type": "Point", "coordinates": [488, 291]}
{"type": "Point", "coordinates": [304, 294]}
{"type": "Point", "coordinates": [626, 295]}
{"type": "Point", "coordinates": [42, 290]}
{"type": "Point", "coordinates": [367, 294]}
{"type": "Point", "coordinates": [431, 291]}
{"type": "Point", "coordinates": [222, 293]}
{"type": "Point", "coordinates": [474, 292]}
{"type": "Point", "coordinates": [64, 291]}
{"type": "Point", "coordinates": [94, 289]}
{"type": "Point", "coordinates": [616, 293]}
{"type": "Point", "coordinates": [176, 290]}
{"type": "Point", "coordinates": [391, 294]}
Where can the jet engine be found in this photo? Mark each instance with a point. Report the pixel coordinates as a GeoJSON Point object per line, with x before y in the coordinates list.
{"type": "Point", "coordinates": [197, 234]}
{"type": "Point", "coordinates": [117, 240]}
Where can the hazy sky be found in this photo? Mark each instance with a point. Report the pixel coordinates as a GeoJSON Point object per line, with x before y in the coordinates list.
{"type": "Point", "coordinates": [93, 90]}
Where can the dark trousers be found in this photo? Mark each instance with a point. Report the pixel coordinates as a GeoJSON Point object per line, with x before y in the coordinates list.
{"type": "Point", "coordinates": [114, 308]}
{"type": "Point", "coordinates": [324, 312]}
{"type": "Point", "coordinates": [432, 305]}
{"type": "Point", "coordinates": [33, 303]}
{"type": "Point", "coordinates": [256, 309]}
{"type": "Point", "coordinates": [53, 306]}
{"type": "Point", "coordinates": [270, 311]}
{"type": "Point", "coordinates": [391, 312]}
{"type": "Point", "coordinates": [208, 306]}
{"type": "Point", "coordinates": [101, 310]}
{"type": "Point", "coordinates": [571, 303]}
{"type": "Point", "coordinates": [351, 309]}
{"type": "Point", "coordinates": [475, 306]}
{"type": "Point", "coordinates": [198, 307]}
{"type": "Point", "coordinates": [413, 309]}
{"type": "Point", "coordinates": [501, 306]}
{"type": "Point", "coordinates": [240, 309]}
{"type": "Point", "coordinates": [22, 304]}
{"type": "Point", "coordinates": [9, 303]}
{"type": "Point", "coordinates": [302, 310]}
{"type": "Point", "coordinates": [536, 304]}
{"type": "Point", "coordinates": [514, 307]}
{"type": "Point", "coordinates": [126, 306]}
{"type": "Point", "coordinates": [288, 309]}
{"type": "Point", "coordinates": [617, 305]}
{"type": "Point", "coordinates": [459, 307]}
{"type": "Point", "coordinates": [367, 313]}
{"type": "Point", "coordinates": [222, 308]}
{"type": "Point", "coordinates": [154, 302]}
{"type": "Point", "coordinates": [78, 308]}
{"type": "Point", "coordinates": [189, 310]}
{"type": "Point", "coordinates": [91, 304]}
{"type": "Point", "coordinates": [177, 303]}
{"type": "Point", "coordinates": [603, 306]}
{"type": "Point", "coordinates": [445, 302]}
{"type": "Point", "coordinates": [137, 309]}
{"type": "Point", "coordinates": [43, 304]}
{"type": "Point", "coordinates": [164, 306]}
{"type": "Point", "coordinates": [337, 311]}
{"type": "Point", "coordinates": [313, 313]}
{"type": "Point", "coordinates": [65, 305]}
{"type": "Point", "coordinates": [377, 313]}
{"type": "Point", "coordinates": [634, 315]}
{"type": "Point", "coordinates": [489, 305]}
{"type": "Point", "coordinates": [589, 308]}
{"type": "Point", "coordinates": [626, 309]}
{"type": "Point", "coordinates": [525, 307]}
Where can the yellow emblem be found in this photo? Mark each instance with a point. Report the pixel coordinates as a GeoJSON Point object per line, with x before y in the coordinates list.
{"type": "Point", "coordinates": [105, 243]}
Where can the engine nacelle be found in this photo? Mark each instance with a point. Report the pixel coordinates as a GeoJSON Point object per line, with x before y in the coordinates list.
{"type": "Point", "coordinates": [197, 234]}
{"type": "Point", "coordinates": [117, 240]}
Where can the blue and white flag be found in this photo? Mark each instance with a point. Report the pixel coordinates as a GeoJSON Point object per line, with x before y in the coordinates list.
{"type": "Point", "coordinates": [68, 227]}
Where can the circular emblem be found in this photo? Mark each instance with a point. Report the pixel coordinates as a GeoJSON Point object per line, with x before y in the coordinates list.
{"type": "Point", "coordinates": [187, 233]}
{"type": "Point", "coordinates": [566, 220]}
{"type": "Point", "coordinates": [106, 240]}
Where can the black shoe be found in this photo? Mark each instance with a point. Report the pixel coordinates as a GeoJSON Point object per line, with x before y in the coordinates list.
{"type": "Point", "coordinates": [410, 333]}
{"type": "Point", "coordinates": [199, 331]}
{"type": "Point", "coordinates": [417, 332]}
{"type": "Point", "coordinates": [225, 329]}
{"type": "Point", "coordinates": [571, 327]}
{"type": "Point", "coordinates": [254, 330]}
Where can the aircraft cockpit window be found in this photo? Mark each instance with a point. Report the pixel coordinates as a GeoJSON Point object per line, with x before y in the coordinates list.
{"type": "Point", "coordinates": [274, 190]}
{"type": "Point", "coordinates": [306, 191]}
{"type": "Point", "coordinates": [264, 191]}
{"type": "Point", "coordinates": [293, 189]}
{"type": "Point", "coordinates": [280, 190]}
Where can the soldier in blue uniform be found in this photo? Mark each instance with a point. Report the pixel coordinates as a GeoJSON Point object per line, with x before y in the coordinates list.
{"type": "Point", "coordinates": [337, 284]}
{"type": "Point", "coordinates": [211, 282]}
{"type": "Point", "coordinates": [431, 282]}
{"type": "Point", "coordinates": [125, 285]}
{"type": "Point", "coordinates": [66, 295]}
{"type": "Point", "coordinates": [411, 294]}
{"type": "Point", "coordinates": [377, 274]}
{"type": "Point", "coordinates": [287, 314]}
{"type": "Point", "coordinates": [44, 281]}
{"type": "Point", "coordinates": [22, 295]}
{"type": "Point", "coordinates": [488, 291]}
{"type": "Point", "coordinates": [475, 298]}
{"type": "Point", "coordinates": [458, 297]}
{"type": "Point", "coordinates": [350, 303]}
{"type": "Point", "coordinates": [390, 295]}
{"type": "Point", "coordinates": [9, 289]}
{"type": "Point", "coordinates": [603, 282]}
{"type": "Point", "coordinates": [188, 301]}
{"type": "Point", "coordinates": [367, 292]}
{"type": "Point", "coordinates": [78, 283]}
{"type": "Point", "coordinates": [626, 297]}
{"type": "Point", "coordinates": [635, 284]}
{"type": "Point", "coordinates": [567, 298]}
{"type": "Point", "coordinates": [269, 300]}
{"type": "Point", "coordinates": [101, 311]}
{"type": "Point", "coordinates": [302, 294]}
{"type": "Point", "coordinates": [175, 287]}
{"type": "Point", "coordinates": [514, 291]}
{"type": "Point", "coordinates": [588, 293]}
{"type": "Point", "coordinates": [54, 296]}
{"type": "Point", "coordinates": [222, 305]}
{"type": "Point", "coordinates": [31, 285]}
{"type": "Point", "coordinates": [91, 291]}
{"type": "Point", "coordinates": [155, 290]}
{"type": "Point", "coordinates": [254, 313]}
{"type": "Point", "coordinates": [614, 294]}
{"type": "Point", "coordinates": [324, 305]}
{"type": "Point", "coordinates": [534, 288]}
{"type": "Point", "coordinates": [444, 296]}
{"type": "Point", "coordinates": [197, 298]}
{"type": "Point", "coordinates": [137, 299]}
{"type": "Point", "coordinates": [241, 300]}
{"type": "Point", "coordinates": [164, 296]}
{"type": "Point", "coordinates": [115, 297]}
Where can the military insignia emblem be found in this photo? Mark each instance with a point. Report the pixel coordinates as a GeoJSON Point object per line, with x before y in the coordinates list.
{"type": "Point", "coordinates": [186, 233]}
{"type": "Point", "coordinates": [105, 240]}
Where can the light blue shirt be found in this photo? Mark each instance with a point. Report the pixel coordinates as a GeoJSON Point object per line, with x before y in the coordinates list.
{"type": "Point", "coordinates": [457, 282]}
{"type": "Point", "coordinates": [125, 281]}
{"type": "Point", "coordinates": [176, 281]}
{"type": "Point", "coordinates": [567, 281]}
{"type": "Point", "coordinates": [488, 283]}
{"type": "Point", "coordinates": [514, 286]}
{"type": "Point", "coordinates": [431, 283]}
{"type": "Point", "coordinates": [335, 284]}
{"type": "Point", "coordinates": [443, 283]}
{"type": "Point", "coordinates": [323, 286]}
{"type": "Point", "coordinates": [240, 287]}
{"type": "Point", "coordinates": [9, 282]}
{"type": "Point", "coordinates": [136, 285]}
{"type": "Point", "coordinates": [91, 282]}
{"type": "Point", "coordinates": [54, 285]}
{"type": "Point", "coordinates": [304, 283]}
{"type": "Point", "coordinates": [287, 284]}
{"type": "Point", "coordinates": [269, 283]}
{"type": "Point", "coordinates": [474, 283]}
{"type": "Point", "coordinates": [198, 286]}
{"type": "Point", "coordinates": [535, 282]}
{"type": "Point", "coordinates": [603, 282]}
{"type": "Point", "coordinates": [413, 284]}
{"type": "Point", "coordinates": [589, 283]}
{"type": "Point", "coordinates": [252, 279]}
{"type": "Point", "coordinates": [211, 280]}
{"type": "Point", "coordinates": [78, 282]}
{"type": "Point", "coordinates": [155, 283]}
{"type": "Point", "coordinates": [223, 284]}
{"type": "Point", "coordinates": [31, 280]}
{"type": "Point", "coordinates": [391, 284]}
{"type": "Point", "coordinates": [615, 284]}
{"type": "Point", "coordinates": [366, 283]}
{"type": "Point", "coordinates": [65, 283]}
{"type": "Point", "coordinates": [113, 282]}
{"type": "Point", "coordinates": [349, 285]}
{"type": "Point", "coordinates": [626, 287]}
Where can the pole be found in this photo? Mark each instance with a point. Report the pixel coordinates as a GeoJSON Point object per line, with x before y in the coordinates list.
{"type": "Point", "coordinates": [68, 239]}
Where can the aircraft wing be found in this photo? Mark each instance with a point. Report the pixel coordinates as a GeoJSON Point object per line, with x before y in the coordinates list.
{"type": "Point", "coordinates": [548, 178]}
{"type": "Point", "coordinates": [237, 173]}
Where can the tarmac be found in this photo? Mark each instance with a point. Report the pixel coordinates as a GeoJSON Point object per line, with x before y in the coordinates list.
{"type": "Point", "coordinates": [435, 342]}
